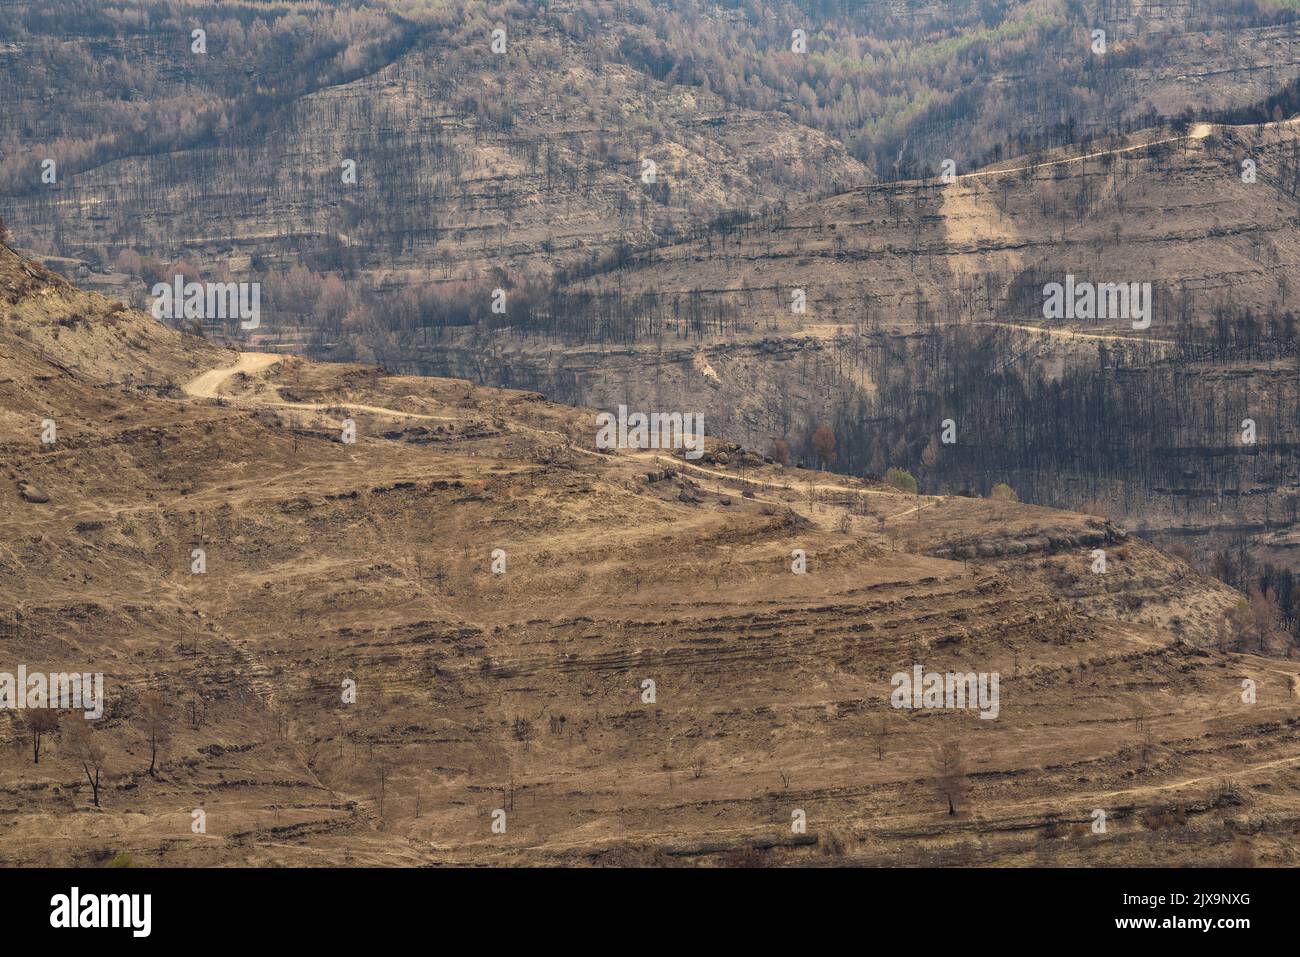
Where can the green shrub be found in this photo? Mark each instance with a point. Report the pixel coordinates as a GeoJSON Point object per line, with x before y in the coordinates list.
{"type": "Point", "coordinates": [902, 480]}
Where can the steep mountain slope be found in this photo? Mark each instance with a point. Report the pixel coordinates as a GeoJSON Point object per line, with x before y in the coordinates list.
{"type": "Point", "coordinates": [478, 169]}
{"type": "Point", "coordinates": [523, 689]}
{"type": "Point", "coordinates": [1164, 206]}
{"type": "Point", "coordinates": [925, 303]}
{"type": "Point", "coordinates": [468, 163]}
{"type": "Point", "coordinates": [909, 84]}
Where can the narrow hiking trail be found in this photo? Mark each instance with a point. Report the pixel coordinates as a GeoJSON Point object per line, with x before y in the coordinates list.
{"type": "Point", "coordinates": [1060, 333]}
{"type": "Point", "coordinates": [1198, 132]}
{"type": "Point", "coordinates": [818, 487]}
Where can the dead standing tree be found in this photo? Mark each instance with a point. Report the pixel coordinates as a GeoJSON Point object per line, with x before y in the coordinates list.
{"type": "Point", "coordinates": [949, 766]}
{"type": "Point", "coordinates": [39, 722]}
{"type": "Point", "coordinates": [880, 735]}
{"type": "Point", "coordinates": [84, 750]}
{"type": "Point", "coordinates": [156, 714]}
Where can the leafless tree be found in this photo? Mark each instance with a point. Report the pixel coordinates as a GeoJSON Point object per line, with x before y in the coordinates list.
{"type": "Point", "coordinates": [781, 451]}
{"type": "Point", "coordinates": [82, 748]}
{"type": "Point", "coordinates": [823, 442]}
{"type": "Point", "coordinates": [949, 765]}
{"type": "Point", "coordinates": [40, 722]}
{"type": "Point", "coordinates": [880, 735]}
{"type": "Point", "coordinates": [155, 712]}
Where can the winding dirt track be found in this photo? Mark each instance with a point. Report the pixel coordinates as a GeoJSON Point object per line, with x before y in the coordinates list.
{"type": "Point", "coordinates": [208, 386]}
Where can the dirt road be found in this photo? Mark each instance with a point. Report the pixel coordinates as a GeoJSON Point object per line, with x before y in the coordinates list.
{"type": "Point", "coordinates": [208, 386]}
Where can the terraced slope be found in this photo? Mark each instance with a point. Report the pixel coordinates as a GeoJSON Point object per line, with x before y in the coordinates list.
{"type": "Point", "coordinates": [1164, 207]}
{"type": "Point", "coordinates": [522, 690]}
{"type": "Point", "coordinates": [925, 302]}
{"type": "Point", "coordinates": [476, 166]}
{"type": "Point", "coordinates": [467, 164]}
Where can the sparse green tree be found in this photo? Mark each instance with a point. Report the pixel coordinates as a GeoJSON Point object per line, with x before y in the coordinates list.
{"type": "Point", "coordinates": [902, 480]}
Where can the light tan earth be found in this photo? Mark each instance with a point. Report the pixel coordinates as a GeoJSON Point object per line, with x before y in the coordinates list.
{"type": "Point", "coordinates": [208, 385]}
{"type": "Point", "coordinates": [523, 692]}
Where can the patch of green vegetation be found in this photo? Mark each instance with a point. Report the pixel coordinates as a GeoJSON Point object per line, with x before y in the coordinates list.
{"type": "Point", "coordinates": [902, 480]}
